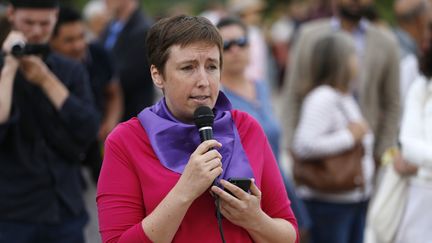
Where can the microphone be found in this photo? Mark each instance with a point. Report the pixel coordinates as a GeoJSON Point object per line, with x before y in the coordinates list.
{"type": "Point", "coordinates": [203, 118]}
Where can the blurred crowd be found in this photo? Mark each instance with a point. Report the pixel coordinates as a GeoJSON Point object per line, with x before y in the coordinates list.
{"type": "Point", "coordinates": [320, 76]}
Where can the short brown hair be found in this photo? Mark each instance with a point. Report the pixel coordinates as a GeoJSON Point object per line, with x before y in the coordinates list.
{"type": "Point", "coordinates": [179, 30]}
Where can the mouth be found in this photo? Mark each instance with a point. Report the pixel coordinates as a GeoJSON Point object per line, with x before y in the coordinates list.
{"type": "Point", "coordinates": [200, 98]}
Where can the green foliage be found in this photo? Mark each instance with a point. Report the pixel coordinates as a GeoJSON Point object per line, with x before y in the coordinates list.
{"type": "Point", "coordinates": [158, 7]}
{"type": "Point", "coordinates": [385, 8]}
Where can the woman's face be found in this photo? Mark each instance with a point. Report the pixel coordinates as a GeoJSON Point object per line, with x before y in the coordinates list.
{"type": "Point", "coordinates": [236, 56]}
{"type": "Point", "coordinates": [191, 79]}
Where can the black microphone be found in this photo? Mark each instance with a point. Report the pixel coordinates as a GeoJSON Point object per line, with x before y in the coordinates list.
{"type": "Point", "coordinates": [203, 118]}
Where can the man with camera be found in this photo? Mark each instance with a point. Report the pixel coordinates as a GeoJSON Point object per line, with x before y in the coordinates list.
{"type": "Point", "coordinates": [47, 120]}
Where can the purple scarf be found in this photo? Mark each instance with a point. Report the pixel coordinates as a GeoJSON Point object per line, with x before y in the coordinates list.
{"type": "Point", "coordinates": [174, 141]}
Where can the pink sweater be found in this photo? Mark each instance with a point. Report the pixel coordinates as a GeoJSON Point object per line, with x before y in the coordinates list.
{"type": "Point", "coordinates": [133, 182]}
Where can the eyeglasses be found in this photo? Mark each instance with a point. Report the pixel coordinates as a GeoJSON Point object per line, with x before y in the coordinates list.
{"type": "Point", "coordinates": [240, 42]}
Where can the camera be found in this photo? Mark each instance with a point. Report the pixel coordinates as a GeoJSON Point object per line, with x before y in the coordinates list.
{"type": "Point", "coordinates": [22, 49]}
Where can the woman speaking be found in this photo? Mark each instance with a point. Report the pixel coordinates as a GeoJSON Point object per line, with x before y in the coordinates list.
{"type": "Point", "coordinates": [160, 183]}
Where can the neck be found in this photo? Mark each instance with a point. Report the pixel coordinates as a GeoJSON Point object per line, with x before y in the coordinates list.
{"type": "Point", "coordinates": [349, 25]}
{"type": "Point", "coordinates": [240, 85]}
{"type": "Point", "coordinates": [234, 80]}
{"type": "Point", "coordinates": [125, 12]}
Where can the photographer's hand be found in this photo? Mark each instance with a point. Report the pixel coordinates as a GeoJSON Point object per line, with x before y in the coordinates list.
{"type": "Point", "coordinates": [12, 39]}
{"type": "Point", "coordinates": [37, 72]}
{"type": "Point", "coordinates": [7, 74]}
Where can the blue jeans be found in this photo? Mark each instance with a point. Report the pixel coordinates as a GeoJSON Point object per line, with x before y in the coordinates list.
{"type": "Point", "coordinates": [337, 222]}
{"type": "Point", "coordinates": [68, 231]}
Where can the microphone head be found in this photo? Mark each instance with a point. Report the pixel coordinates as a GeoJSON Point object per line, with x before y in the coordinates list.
{"type": "Point", "coordinates": [203, 117]}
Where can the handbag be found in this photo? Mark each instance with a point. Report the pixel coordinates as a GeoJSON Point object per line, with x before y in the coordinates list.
{"type": "Point", "coordinates": [337, 173]}
{"type": "Point", "coordinates": [387, 207]}
{"type": "Point", "coordinates": [332, 174]}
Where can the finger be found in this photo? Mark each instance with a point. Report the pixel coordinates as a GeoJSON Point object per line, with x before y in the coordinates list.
{"type": "Point", "coordinates": [214, 163]}
{"type": "Point", "coordinates": [214, 173]}
{"type": "Point", "coordinates": [227, 210]}
{"type": "Point", "coordinates": [223, 195]}
{"type": "Point", "coordinates": [254, 188]}
{"type": "Point", "coordinates": [235, 190]}
{"type": "Point", "coordinates": [26, 61]}
{"type": "Point", "coordinates": [13, 38]}
{"type": "Point", "coordinates": [207, 145]}
{"type": "Point", "coordinates": [30, 59]}
{"type": "Point", "coordinates": [211, 155]}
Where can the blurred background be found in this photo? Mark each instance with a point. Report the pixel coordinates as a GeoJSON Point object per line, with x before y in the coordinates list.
{"type": "Point", "coordinates": [160, 7]}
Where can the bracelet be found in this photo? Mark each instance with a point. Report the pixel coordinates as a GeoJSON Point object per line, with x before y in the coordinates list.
{"type": "Point", "coordinates": [389, 155]}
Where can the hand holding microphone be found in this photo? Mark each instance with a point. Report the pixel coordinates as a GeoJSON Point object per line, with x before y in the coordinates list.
{"type": "Point", "coordinates": [205, 163]}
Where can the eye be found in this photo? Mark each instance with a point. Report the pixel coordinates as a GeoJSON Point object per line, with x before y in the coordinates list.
{"type": "Point", "coordinates": [28, 22]}
{"type": "Point", "coordinates": [213, 67]}
{"type": "Point", "coordinates": [187, 68]}
{"type": "Point", "coordinates": [44, 24]}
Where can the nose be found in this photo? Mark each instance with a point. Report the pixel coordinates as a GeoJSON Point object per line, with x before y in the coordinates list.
{"type": "Point", "coordinates": [36, 32]}
{"type": "Point", "coordinates": [202, 77]}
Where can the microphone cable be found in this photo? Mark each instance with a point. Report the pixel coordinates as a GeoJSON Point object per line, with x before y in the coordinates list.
{"type": "Point", "coordinates": [219, 218]}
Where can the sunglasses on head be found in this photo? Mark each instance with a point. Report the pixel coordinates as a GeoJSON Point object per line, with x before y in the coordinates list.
{"type": "Point", "coordinates": [240, 42]}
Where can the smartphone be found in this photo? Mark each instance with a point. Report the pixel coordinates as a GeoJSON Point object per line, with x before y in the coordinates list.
{"type": "Point", "coordinates": [243, 183]}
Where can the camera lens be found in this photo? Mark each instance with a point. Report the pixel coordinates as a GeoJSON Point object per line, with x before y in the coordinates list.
{"type": "Point", "coordinates": [18, 49]}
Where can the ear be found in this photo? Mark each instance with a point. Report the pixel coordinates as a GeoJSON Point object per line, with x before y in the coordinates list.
{"type": "Point", "coordinates": [57, 10]}
{"type": "Point", "coordinates": [10, 12]}
{"type": "Point", "coordinates": [157, 77]}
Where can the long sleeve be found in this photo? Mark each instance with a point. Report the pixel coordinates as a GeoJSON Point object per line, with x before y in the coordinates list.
{"type": "Point", "coordinates": [78, 113]}
{"type": "Point", "coordinates": [417, 126]}
{"type": "Point", "coordinates": [119, 197]}
{"type": "Point", "coordinates": [318, 133]}
{"type": "Point", "coordinates": [386, 134]}
{"type": "Point", "coordinates": [76, 122]}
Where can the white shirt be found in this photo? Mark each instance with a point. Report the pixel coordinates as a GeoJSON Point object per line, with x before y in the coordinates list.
{"type": "Point", "coordinates": [409, 71]}
{"type": "Point", "coordinates": [322, 131]}
{"type": "Point", "coordinates": [416, 130]}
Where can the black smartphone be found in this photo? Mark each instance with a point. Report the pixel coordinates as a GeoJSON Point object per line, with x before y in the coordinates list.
{"type": "Point", "coordinates": [243, 183]}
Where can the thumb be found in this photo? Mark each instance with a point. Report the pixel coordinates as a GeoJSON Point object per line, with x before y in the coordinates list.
{"type": "Point", "coordinates": [254, 189]}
